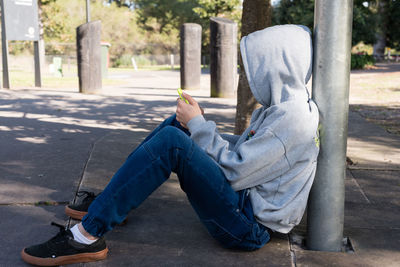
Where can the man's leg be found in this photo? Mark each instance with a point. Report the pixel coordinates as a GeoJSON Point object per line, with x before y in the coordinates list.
{"type": "Point", "coordinates": [170, 149]}
{"type": "Point", "coordinates": [79, 210]}
{"type": "Point", "coordinates": [141, 174]}
{"type": "Point", "coordinates": [170, 121]}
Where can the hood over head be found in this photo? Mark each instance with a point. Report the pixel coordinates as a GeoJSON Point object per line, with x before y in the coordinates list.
{"type": "Point", "coordinates": [278, 63]}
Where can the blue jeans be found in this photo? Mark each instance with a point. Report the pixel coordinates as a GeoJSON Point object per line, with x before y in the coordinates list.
{"type": "Point", "coordinates": [227, 215]}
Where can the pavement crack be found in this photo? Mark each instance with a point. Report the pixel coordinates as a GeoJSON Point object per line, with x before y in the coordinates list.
{"type": "Point", "coordinates": [374, 227]}
{"type": "Point", "coordinates": [292, 252]}
{"type": "Point", "coordinates": [92, 147]}
{"type": "Point", "coordinates": [38, 203]}
{"type": "Point", "coordinates": [293, 256]}
{"type": "Point", "coordinates": [359, 187]}
{"type": "Point", "coordinates": [372, 169]}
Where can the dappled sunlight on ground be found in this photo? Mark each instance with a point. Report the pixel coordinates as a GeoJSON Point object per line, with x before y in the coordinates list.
{"type": "Point", "coordinates": [375, 95]}
{"type": "Point", "coordinates": [47, 134]}
{"type": "Point", "coordinates": [55, 141]}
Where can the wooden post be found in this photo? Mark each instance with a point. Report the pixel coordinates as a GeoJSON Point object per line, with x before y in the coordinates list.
{"type": "Point", "coordinates": [89, 57]}
{"type": "Point", "coordinates": [190, 50]}
{"type": "Point", "coordinates": [223, 67]}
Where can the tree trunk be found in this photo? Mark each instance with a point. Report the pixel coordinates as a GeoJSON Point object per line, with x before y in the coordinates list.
{"type": "Point", "coordinates": [41, 37]}
{"type": "Point", "coordinates": [380, 44]}
{"type": "Point", "coordinates": [256, 16]}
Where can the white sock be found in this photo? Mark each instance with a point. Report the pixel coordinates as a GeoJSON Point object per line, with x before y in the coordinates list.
{"type": "Point", "coordinates": [79, 237]}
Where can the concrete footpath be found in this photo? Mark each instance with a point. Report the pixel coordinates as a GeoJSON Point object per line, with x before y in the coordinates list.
{"type": "Point", "coordinates": [55, 142]}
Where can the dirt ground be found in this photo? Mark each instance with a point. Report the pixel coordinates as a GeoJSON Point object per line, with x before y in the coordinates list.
{"type": "Point", "coordinates": [375, 94]}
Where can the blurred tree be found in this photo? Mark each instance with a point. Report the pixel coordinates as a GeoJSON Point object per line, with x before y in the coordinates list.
{"type": "Point", "coordinates": [61, 17]}
{"type": "Point", "coordinates": [294, 12]}
{"type": "Point", "coordinates": [54, 26]}
{"type": "Point", "coordinates": [230, 9]}
{"type": "Point", "coordinates": [302, 12]}
{"type": "Point", "coordinates": [387, 14]}
{"type": "Point", "coordinates": [168, 14]}
{"type": "Point", "coordinates": [216, 8]}
{"type": "Point", "coordinates": [256, 16]}
{"type": "Point", "coordinates": [364, 23]}
{"type": "Point", "coordinates": [393, 29]}
{"type": "Point", "coordinates": [121, 3]}
{"type": "Point", "coordinates": [381, 13]}
{"type": "Point", "coordinates": [41, 31]}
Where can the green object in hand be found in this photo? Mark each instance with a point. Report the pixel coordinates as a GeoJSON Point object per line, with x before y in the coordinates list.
{"type": "Point", "coordinates": [180, 95]}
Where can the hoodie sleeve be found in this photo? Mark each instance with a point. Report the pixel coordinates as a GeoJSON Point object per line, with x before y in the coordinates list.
{"type": "Point", "coordinates": [231, 138]}
{"type": "Point", "coordinates": [255, 161]}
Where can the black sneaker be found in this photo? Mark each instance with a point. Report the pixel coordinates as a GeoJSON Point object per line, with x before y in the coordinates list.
{"type": "Point", "coordinates": [63, 249]}
{"type": "Point", "coordinates": [78, 210]}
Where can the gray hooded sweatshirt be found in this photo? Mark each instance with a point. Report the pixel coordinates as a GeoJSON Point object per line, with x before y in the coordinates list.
{"type": "Point", "coordinates": [275, 158]}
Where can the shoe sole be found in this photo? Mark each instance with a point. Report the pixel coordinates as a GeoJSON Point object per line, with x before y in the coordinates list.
{"type": "Point", "coordinates": [62, 260]}
{"type": "Point", "coordinates": [75, 214]}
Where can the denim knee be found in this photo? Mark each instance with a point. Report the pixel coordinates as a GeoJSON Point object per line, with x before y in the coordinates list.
{"type": "Point", "coordinates": [173, 137]}
{"type": "Point", "coordinates": [167, 138]}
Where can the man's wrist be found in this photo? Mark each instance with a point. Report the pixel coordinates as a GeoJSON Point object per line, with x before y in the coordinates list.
{"type": "Point", "coordinates": [195, 122]}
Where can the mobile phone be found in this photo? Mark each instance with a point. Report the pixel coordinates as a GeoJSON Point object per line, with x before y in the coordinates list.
{"type": "Point", "coordinates": [180, 95]}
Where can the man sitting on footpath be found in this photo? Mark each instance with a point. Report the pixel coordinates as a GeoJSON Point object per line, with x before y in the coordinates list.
{"type": "Point", "coordinates": [241, 187]}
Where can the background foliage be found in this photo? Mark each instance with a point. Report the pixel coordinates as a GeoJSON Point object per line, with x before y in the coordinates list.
{"type": "Point", "coordinates": [135, 27]}
{"type": "Point", "coordinates": [371, 19]}
{"type": "Point", "coordinates": [131, 27]}
{"type": "Point", "coordinates": [302, 12]}
{"type": "Point", "coordinates": [360, 61]}
{"type": "Point", "coordinates": [393, 37]}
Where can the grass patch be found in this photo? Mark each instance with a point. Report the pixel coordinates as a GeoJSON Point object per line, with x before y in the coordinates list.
{"type": "Point", "coordinates": [22, 78]}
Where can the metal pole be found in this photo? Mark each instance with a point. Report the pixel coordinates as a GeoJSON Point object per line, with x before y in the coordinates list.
{"type": "Point", "coordinates": [87, 11]}
{"type": "Point", "coordinates": [4, 47]}
{"type": "Point", "coordinates": [331, 76]}
{"type": "Point", "coordinates": [38, 78]}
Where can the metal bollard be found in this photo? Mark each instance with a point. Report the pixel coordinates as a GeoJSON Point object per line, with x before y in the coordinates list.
{"type": "Point", "coordinates": [223, 65]}
{"type": "Point", "coordinates": [331, 78]}
{"type": "Point", "coordinates": [190, 55]}
{"type": "Point", "coordinates": [89, 57]}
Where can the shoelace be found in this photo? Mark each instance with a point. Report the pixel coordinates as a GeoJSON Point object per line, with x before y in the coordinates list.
{"type": "Point", "coordinates": [89, 195]}
{"type": "Point", "coordinates": [61, 237]}
{"type": "Point", "coordinates": [61, 233]}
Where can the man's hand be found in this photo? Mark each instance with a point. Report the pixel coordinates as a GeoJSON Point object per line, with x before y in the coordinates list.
{"type": "Point", "coordinates": [186, 112]}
